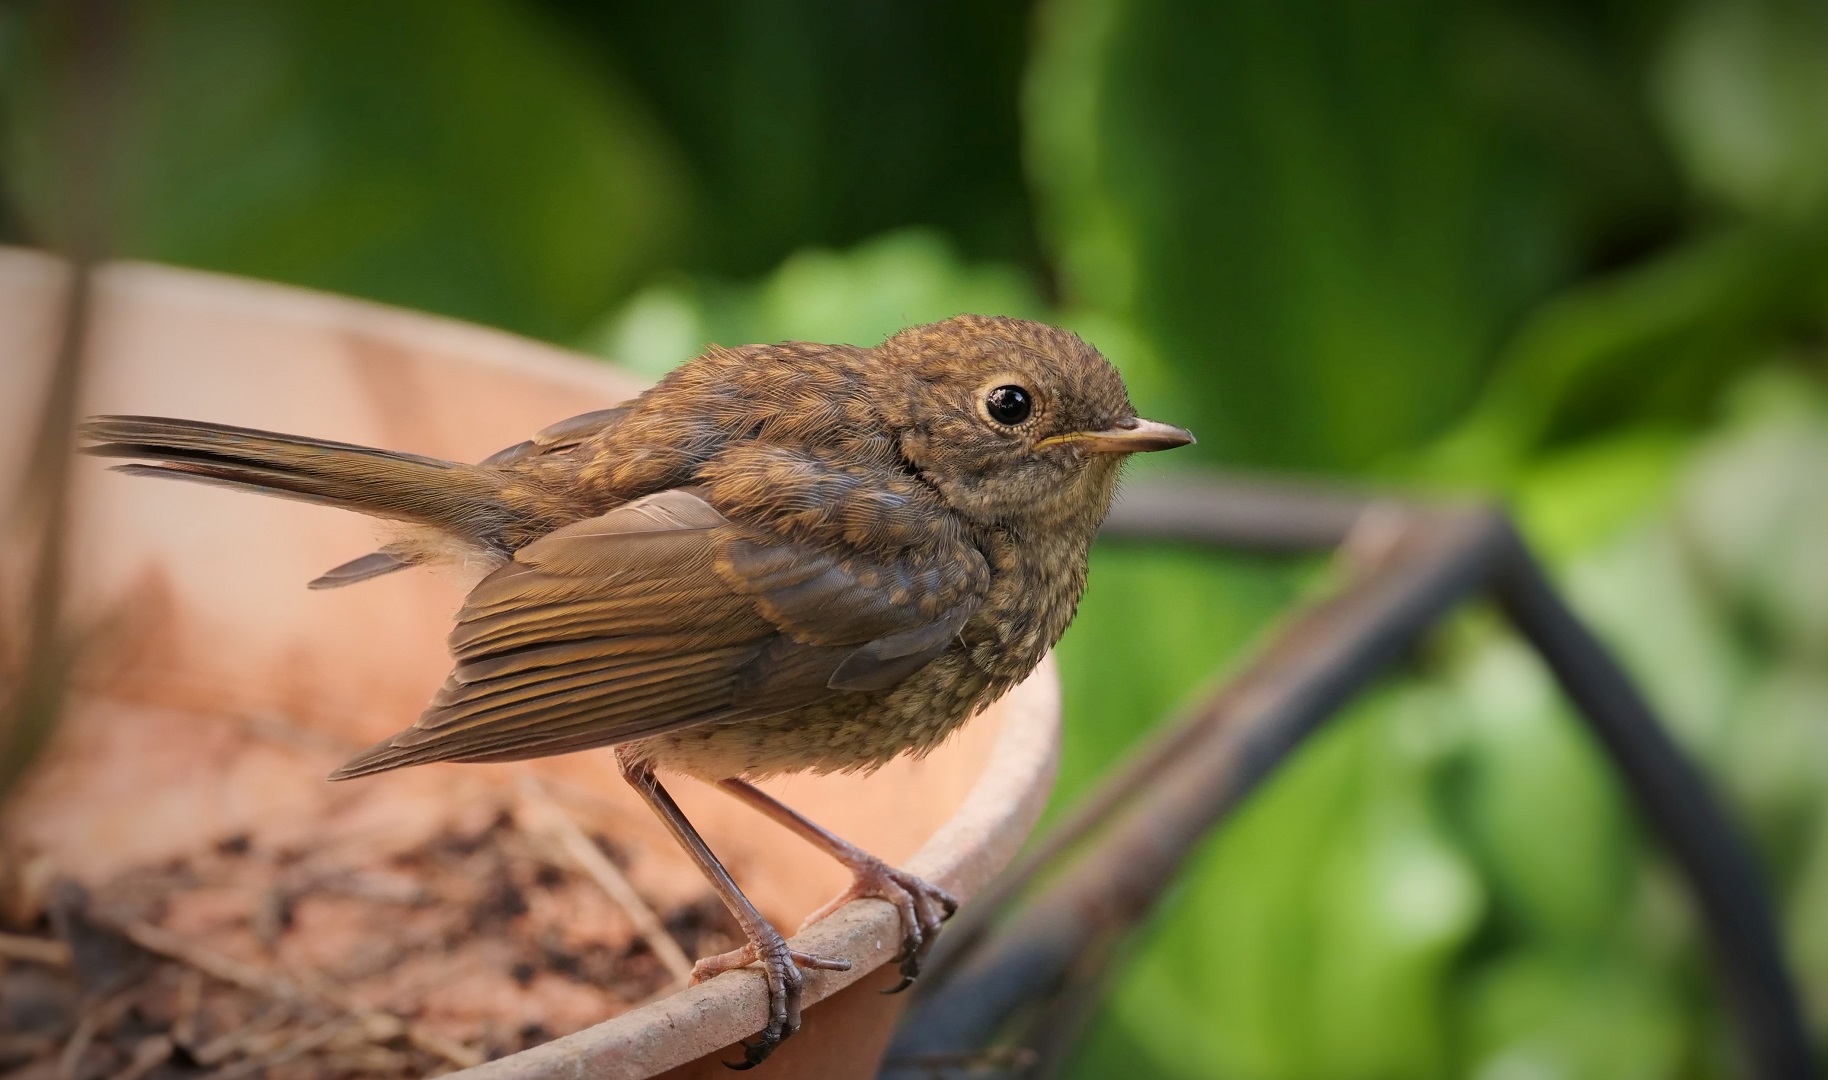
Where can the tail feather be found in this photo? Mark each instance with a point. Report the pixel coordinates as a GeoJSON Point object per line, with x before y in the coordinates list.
{"type": "Point", "coordinates": [168, 433]}
{"type": "Point", "coordinates": [382, 757]}
{"type": "Point", "coordinates": [235, 480]}
{"type": "Point", "coordinates": [465, 500]}
{"type": "Point", "coordinates": [372, 565]}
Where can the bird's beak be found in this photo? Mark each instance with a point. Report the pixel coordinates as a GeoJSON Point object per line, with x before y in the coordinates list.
{"type": "Point", "coordinates": [1132, 436]}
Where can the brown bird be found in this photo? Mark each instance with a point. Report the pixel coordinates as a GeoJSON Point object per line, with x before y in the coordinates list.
{"type": "Point", "coordinates": [779, 558]}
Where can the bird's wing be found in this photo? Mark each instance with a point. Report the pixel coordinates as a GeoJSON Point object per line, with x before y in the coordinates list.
{"type": "Point", "coordinates": [562, 436]}
{"type": "Point", "coordinates": [552, 439]}
{"type": "Point", "coordinates": [661, 614]}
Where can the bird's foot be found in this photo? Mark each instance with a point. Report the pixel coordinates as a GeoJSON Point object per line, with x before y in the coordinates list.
{"type": "Point", "coordinates": [781, 968]}
{"type": "Point", "coordinates": [923, 907]}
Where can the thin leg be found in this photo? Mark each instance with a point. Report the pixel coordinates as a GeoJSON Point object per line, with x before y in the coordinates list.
{"type": "Point", "coordinates": [780, 965]}
{"type": "Point", "coordinates": [923, 906]}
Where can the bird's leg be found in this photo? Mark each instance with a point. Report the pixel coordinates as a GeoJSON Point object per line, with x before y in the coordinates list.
{"type": "Point", "coordinates": [780, 965]}
{"type": "Point", "coordinates": [923, 906]}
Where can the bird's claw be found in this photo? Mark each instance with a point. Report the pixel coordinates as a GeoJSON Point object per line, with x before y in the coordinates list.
{"type": "Point", "coordinates": [781, 969]}
{"type": "Point", "coordinates": [923, 907]}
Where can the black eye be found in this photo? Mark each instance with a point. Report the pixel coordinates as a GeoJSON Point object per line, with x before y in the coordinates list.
{"type": "Point", "coordinates": [1009, 405]}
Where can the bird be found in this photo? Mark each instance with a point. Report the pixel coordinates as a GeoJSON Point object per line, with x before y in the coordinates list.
{"type": "Point", "coordinates": [778, 558]}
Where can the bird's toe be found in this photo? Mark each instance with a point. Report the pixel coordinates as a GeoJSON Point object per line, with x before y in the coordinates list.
{"type": "Point", "coordinates": [781, 970]}
{"type": "Point", "coordinates": [921, 905]}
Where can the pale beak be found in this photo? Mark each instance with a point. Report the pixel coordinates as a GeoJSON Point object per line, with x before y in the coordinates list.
{"type": "Point", "coordinates": [1132, 436]}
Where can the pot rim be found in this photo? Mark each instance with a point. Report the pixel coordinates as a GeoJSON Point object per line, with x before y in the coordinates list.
{"type": "Point", "coordinates": [976, 843]}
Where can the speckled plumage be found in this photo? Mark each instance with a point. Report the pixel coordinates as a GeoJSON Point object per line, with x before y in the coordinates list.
{"type": "Point", "coordinates": [779, 558]}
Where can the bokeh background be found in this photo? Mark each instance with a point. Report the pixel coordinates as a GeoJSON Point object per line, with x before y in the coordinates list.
{"type": "Point", "coordinates": [1571, 253]}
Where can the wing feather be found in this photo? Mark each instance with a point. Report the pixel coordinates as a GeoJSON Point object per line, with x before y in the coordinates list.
{"type": "Point", "coordinates": [663, 614]}
{"type": "Point", "coordinates": [660, 674]}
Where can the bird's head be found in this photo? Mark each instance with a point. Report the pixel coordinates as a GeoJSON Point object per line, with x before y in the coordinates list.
{"type": "Point", "coordinates": [1017, 422]}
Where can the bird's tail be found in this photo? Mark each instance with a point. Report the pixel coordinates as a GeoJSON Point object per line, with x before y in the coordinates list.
{"type": "Point", "coordinates": [466, 500]}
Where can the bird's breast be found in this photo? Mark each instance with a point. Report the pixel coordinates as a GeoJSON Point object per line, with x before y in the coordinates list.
{"type": "Point", "coordinates": [1036, 581]}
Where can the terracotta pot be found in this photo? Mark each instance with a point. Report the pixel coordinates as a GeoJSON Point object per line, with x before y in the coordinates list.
{"type": "Point", "coordinates": [201, 594]}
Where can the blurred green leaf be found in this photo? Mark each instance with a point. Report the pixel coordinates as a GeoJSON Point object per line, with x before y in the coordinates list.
{"type": "Point", "coordinates": [1579, 1016]}
{"type": "Point", "coordinates": [1756, 511]}
{"type": "Point", "coordinates": [860, 297]}
{"type": "Point", "coordinates": [1540, 805]}
{"type": "Point", "coordinates": [455, 157]}
{"type": "Point", "coordinates": [1587, 495]}
{"type": "Point", "coordinates": [1656, 345]}
{"type": "Point", "coordinates": [822, 123]}
{"type": "Point", "coordinates": [1640, 594]}
{"type": "Point", "coordinates": [1743, 86]}
{"type": "Point", "coordinates": [1323, 227]}
{"type": "Point", "coordinates": [1806, 899]}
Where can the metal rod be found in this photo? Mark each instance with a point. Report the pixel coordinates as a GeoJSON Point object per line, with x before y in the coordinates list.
{"type": "Point", "coordinates": [1236, 513]}
{"type": "Point", "coordinates": [1315, 663]}
{"type": "Point", "coordinates": [1675, 800]}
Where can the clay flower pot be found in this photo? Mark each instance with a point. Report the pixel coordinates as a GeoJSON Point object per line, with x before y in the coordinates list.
{"type": "Point", "coordinates": [205, 631]}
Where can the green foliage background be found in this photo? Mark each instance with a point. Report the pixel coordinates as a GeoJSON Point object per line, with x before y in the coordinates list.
{"type": "Point", "coordinates": [1573, 255]}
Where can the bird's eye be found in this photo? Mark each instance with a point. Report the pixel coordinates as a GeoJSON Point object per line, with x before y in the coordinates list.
{"type": "Point", "coordinates": [1009, 405]}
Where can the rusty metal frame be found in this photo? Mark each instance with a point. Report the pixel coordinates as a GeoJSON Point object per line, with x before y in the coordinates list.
{"type": "Point", "coordinates": [1080, 890]}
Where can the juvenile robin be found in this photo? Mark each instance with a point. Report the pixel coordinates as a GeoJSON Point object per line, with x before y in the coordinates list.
{"type": "Point", "coordinates": [779, 558]}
